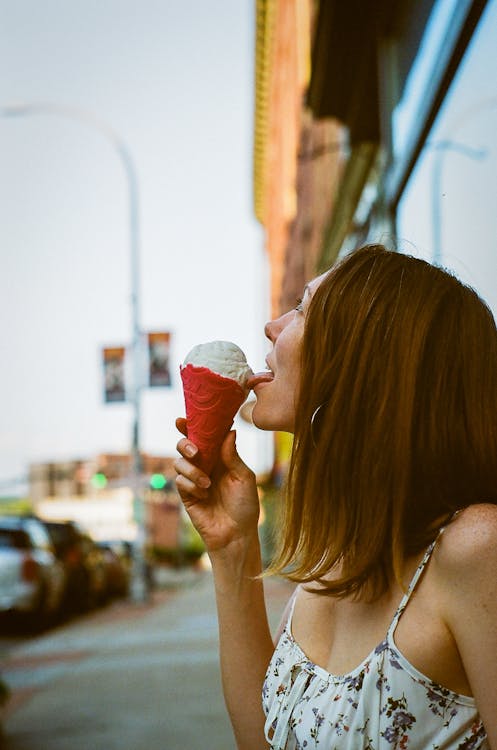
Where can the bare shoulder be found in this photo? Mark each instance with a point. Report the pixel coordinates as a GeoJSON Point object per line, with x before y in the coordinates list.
{"type": "Point", "coordinates": [468, 545]}
{"type": "Point", "coordinates": [466, 601]}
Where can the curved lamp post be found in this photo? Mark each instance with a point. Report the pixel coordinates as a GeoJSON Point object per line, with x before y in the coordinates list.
{"type": "Point", "coordinates": [29, 109]}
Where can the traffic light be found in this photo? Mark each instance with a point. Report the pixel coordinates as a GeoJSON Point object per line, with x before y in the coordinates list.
{"type": "Point", "coordinates": [158, 482]}
{"type": "Point", "coordinates": [99, 480]}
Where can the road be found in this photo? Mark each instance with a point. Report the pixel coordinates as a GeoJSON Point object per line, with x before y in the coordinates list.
{"type": "Point", "coordinates": [126, 677]}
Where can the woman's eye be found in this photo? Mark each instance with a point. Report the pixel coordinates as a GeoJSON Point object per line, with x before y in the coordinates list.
{"type": "Point", "coordinates": [298, 306]}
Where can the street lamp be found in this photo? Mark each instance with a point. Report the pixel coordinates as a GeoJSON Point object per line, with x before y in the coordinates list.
{"type": "Point", "coordinates": [139, 587]}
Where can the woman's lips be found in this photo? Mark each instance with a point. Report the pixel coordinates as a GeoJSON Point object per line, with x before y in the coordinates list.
{"type": "Point", "coordinates": [259, 377]}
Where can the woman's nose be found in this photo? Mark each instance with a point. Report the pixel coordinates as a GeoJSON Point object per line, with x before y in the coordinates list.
{"type": "Point", "coordinates": [273, 328]}
{"type": "Point", "coordinates": [268, 330]}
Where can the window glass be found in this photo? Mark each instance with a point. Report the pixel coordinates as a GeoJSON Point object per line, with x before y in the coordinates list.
{"type": "Point", "coordinates": [447, 213]}
{"type": "Point", "coordinates": [38, 535]}
{"type": "Point", "coordinates": [427, 59]}
{"type": "Point", "coordinates": [14, 539]}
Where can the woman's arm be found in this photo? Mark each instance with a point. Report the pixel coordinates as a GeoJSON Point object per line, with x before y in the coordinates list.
{"type": "Point", "coordinates": [469, 559]}
{"type": "Point", "coordinates": [245, 641]}
{"type": "Point", "coordinates": [226, 515]}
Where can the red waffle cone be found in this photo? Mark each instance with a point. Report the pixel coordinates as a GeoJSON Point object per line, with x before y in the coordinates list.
{"type": "Point", "coordinates": [211, 402]}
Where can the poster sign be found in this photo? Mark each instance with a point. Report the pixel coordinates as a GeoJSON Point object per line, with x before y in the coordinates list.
{"type": "Point", "coordinates": [113, 363]}
{"type": "Point", "coordinates": [159, 374]}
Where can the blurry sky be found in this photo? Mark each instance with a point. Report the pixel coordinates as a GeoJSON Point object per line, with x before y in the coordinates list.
{"type": "Point", "coordinates": [175, 80]}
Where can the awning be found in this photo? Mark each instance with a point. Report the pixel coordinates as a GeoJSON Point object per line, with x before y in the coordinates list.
{"type": "Point", "coordinates": [345, 80]}
{"type": "Point", "coordinates": [363, 52]}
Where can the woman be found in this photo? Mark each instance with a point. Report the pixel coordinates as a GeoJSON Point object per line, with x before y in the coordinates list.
{"type": "Point", "coordinates": [386, 373]}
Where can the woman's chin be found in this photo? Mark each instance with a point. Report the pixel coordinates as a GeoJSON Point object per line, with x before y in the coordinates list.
{"type": "Point", "coordinates": [261, 420]}
{"type": "Point", "coordinates": [268, 422]}
{"type": "Point", "coordinates": [258, 421]}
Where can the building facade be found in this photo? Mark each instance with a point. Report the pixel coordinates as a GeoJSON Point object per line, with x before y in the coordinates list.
{"type": "Point", "coordinates": [98, 494]}
{"type": "Point", "coordinates": [375, 122]}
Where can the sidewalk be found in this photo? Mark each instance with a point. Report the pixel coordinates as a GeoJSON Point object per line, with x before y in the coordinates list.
{"type": "Point", "coordinates": [127, 677]}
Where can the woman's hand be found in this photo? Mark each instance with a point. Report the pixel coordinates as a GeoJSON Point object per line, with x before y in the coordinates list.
{"type": "Point", "coordinates": [225, 511]}
{"type": "Point", "coordinates": [225, 507]}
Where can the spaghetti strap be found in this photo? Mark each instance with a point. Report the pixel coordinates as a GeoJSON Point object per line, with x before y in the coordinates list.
{"type": "Point", "coordinates": [291, 607]}
{"type": "Point", "coordinates": [417, 575]}
{"type": "Point", "coordinates": [412, 586]}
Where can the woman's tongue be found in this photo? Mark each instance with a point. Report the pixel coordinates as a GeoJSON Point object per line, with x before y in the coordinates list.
{"type": "Point", "coordinates": [259, 377]}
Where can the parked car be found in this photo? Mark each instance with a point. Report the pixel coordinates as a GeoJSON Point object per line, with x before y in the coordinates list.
{"type": "Point", "coordinates": [31, 576]}
{"type": "Point", "coordinates": [117, 567]}
{"type": "Point", "coordinates": [84, 565]}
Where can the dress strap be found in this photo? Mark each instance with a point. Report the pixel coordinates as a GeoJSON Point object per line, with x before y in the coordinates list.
{"type": "Point", "coordinates": [291, 608]}
{"type": "Point", "coordinates": [417, 575]}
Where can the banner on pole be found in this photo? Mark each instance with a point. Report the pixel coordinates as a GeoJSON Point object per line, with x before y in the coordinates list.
{"type": "Point", "coordinates": [159, 374]}
{"type": "Point", "coordinates": [114, 383]}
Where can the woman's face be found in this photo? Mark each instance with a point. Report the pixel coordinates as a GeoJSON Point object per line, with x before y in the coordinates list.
{"type": "Point", "coordinates": [276, 395]}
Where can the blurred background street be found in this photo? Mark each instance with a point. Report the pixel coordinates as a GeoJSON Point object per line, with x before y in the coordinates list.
{"type": "Point", "coordinates": [127, 676]}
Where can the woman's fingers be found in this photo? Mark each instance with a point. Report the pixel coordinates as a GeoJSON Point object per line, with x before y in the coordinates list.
{"type": "Point", "coordinates": [191, 481]}
{"type": "Point", "coordinates": [181, 425]}
{"type": "Point", "coordinates": [186, 448]}
{"type": "Point", "coordinates": [189, 489]}
{"type": "Point", "coordinates": [191, 473]}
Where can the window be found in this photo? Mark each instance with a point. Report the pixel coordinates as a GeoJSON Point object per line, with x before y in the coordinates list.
{"type": "Point", "coordinates": [447, 211]}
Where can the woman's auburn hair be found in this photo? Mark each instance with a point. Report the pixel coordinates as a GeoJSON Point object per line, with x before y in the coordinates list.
{"type": "Point", "coordinates": [400, 359]}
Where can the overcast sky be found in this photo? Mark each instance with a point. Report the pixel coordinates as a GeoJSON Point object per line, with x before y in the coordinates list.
{"type": "Point", "coordinates": [175, 81]}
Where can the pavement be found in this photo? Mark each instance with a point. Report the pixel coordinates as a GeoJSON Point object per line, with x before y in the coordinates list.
{"type": "Point", "coordinates": [127, 677]}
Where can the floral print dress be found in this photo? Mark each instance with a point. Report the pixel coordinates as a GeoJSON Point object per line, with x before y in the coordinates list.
{"type": "Point", "coordinates": [383, 704]}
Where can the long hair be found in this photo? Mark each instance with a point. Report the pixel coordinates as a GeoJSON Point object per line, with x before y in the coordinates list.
{"type": "Point", "coordinates": [399, 358]}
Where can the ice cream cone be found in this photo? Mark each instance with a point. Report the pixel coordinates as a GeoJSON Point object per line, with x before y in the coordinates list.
{"type": "Point", "coordinates": [211, 402]}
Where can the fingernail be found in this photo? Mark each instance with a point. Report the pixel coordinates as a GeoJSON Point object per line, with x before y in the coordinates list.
{"type": "Point", "coordinates": [204, 482]}
{"type": "Point", "coordinates": [190, 450]}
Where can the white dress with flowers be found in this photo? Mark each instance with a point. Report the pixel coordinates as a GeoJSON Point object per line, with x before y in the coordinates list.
{"type": "Point", "coordinates": [383, 704]}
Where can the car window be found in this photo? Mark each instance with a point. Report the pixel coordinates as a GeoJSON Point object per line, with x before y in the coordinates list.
{"type": "Point", "coordinates": [39, 535]}
{"type": "Point", "coordinates": [14, 539]}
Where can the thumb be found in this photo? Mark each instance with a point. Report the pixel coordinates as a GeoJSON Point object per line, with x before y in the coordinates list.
{"type": "Point", "coordinates": [229, 455]}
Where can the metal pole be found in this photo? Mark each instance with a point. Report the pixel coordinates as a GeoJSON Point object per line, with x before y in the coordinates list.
{"type": "Point", "coordinates": [139, 584]}
{"type": "Point", "coordinates": [139, 587]}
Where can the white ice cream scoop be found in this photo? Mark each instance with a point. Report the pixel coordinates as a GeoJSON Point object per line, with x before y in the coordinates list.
{"type": "Point", "coordinates": [222, 357]}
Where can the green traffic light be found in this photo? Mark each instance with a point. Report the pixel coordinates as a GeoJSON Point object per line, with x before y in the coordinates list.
{"type": "Point", "coordinates": [158, 481]}
{"type": "Point", "coordinates": [99, 480]}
